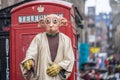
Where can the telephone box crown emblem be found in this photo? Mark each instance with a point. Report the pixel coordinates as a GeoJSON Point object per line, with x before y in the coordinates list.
{"type": "Point", "coordinates": [40, 8]}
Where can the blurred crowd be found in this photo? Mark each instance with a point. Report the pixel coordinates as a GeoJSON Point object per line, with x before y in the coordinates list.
{"type": "Point", "coordinates": [101, 68]}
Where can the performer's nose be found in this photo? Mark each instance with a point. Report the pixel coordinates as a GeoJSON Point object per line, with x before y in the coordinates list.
{"type": "Point", "coordinates": [51, 25]}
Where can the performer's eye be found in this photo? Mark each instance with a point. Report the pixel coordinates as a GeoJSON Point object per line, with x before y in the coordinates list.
{"type": "Point", "coordinates": [47, 21]}
{"type": "Point", "coordinates": [55, 20]}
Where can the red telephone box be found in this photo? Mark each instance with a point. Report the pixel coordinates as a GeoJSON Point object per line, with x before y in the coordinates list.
{"type": "Point", "coordinates": [25, 26]}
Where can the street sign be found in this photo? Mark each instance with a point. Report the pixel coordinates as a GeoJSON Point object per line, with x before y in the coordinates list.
{"type": "Point", "coordinates": [94, 49]}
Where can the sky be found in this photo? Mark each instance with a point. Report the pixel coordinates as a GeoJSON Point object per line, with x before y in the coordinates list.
{"type": "Point", "coordinates": [101, 6]}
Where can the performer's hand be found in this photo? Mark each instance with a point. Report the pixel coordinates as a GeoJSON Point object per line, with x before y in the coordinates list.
{"type": "Point", "coordinates": [54, 70]}
{"type": "Point", "coordinates": [28, 64]}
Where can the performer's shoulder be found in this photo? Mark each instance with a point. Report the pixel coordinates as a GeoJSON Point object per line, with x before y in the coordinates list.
{"type": "Point", "coordinates": [64, 35]}
{"type": "Point", "coordinates": [40, 34]}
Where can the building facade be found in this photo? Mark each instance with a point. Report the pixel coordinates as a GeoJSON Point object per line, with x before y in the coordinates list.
{"type": "Point", "coordinates": [115, 21]}
{"type": "Point", "coordinates": [6, 3]}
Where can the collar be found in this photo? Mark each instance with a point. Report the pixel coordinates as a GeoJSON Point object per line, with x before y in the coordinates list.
{"type": "Point", "coordinates": [52, 35]}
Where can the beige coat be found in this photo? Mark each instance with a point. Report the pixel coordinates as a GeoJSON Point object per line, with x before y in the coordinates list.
{"type": "Point", "coordinates": [39, 51]}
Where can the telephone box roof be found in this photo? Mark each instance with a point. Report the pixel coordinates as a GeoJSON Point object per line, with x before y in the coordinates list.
{"type": "Point", "coordinates": [58, 2]}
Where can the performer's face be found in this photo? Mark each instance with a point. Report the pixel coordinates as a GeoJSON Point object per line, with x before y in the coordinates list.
{"type": "Point", "coordinates": [52, 23]}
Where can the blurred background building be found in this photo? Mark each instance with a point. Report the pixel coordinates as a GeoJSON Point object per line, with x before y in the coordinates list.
{"type": "Point", "coordinates": [115, 22]}
{"type": "Point", "coordinates": [115, 27]}
{"type": "Point", "coordinates": [6, 3]}
{"type": "Point", "coordinates": [98, 21]}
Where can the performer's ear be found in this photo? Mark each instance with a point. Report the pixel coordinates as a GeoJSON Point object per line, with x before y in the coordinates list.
{"type": "Point", "coordinates": [63, 22]}
{"type": "Point", "coordinates": [41, 23]}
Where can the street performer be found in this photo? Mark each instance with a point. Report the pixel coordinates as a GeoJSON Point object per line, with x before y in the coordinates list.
{"type": "Point", "coordinates": [50, 55]}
